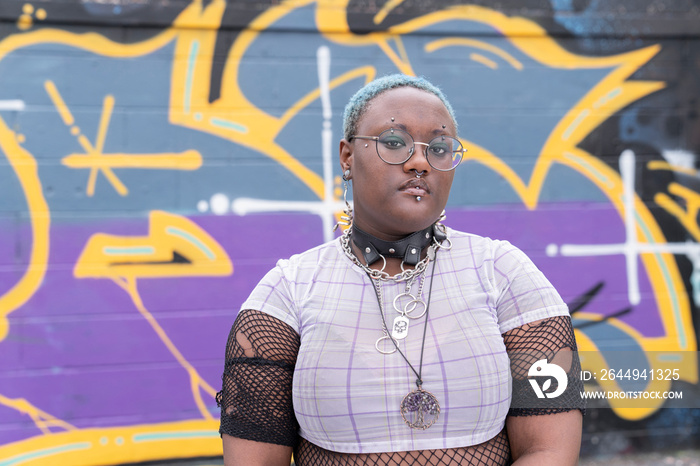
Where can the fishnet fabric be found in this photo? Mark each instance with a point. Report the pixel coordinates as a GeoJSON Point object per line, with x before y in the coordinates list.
{"type": "Point", "coordinates": [551, 339]}
{"type": "Point", "coordinates": [256, 395]}
{"type": "Point", "coordinates": [494, 452]}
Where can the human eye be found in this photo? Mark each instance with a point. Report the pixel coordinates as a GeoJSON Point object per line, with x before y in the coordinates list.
{"type": "Point", "coordinates": [439, 149]}
{"type": "Point", "coordinates": [392, 141]}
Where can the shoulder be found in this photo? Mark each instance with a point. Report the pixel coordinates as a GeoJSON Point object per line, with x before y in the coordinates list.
{"type": "Point", "coordinates": [322, 256]}
{"type": "Point", "coordinates": [469, 243]}
{"type": "Point", "coordinates": [496, 260]}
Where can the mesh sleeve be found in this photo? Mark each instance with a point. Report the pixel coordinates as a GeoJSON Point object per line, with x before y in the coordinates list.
{"type": "Point", "coordinates": [256, 394]}
{"type": "Point", "coordinates": [544, 354]}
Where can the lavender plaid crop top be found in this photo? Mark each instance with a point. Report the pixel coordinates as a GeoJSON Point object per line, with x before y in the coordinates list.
{"type": "Point", "coordinates": [346, 394]}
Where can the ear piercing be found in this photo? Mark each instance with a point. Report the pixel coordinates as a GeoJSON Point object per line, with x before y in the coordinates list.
{"type": "Point", "coordinates": [346, 175]}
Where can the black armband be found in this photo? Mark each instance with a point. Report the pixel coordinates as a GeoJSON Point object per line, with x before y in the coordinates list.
{"type": "Point", "coordinates": [545, 368]}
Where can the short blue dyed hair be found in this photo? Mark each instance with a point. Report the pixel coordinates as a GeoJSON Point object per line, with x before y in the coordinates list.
{"type": "Point", "coordinates": [358, 103]}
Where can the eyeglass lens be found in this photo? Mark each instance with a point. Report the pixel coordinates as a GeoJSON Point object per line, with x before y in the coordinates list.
{"type": "Point", "coordinates": [395, 146]}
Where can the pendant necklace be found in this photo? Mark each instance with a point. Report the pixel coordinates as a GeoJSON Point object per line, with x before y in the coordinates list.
{"type": "Point", "coordinates": [419, 408]}
{"type": "Point", "coordinates": [415, 305]}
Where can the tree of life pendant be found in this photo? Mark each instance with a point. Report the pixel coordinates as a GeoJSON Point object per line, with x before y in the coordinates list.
{"type": "Point", "coordinates": [420, 409]}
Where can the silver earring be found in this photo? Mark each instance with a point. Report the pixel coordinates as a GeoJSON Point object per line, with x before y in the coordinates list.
{"type": "Point", "coordinates": [346, 218]}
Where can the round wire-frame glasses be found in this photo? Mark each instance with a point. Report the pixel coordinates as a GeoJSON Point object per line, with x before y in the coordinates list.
{"type": "Point", "coordinates": [395, 147]}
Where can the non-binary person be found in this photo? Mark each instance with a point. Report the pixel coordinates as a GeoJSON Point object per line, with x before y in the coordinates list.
{"type": "Point", "coordinates": [403, 341]}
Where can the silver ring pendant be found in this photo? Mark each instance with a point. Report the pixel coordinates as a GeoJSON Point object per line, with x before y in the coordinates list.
{"type": "Point", "coordinates": [415, 303]}
{"type": "Point", "coordinates": [442, 245]}
{"type": "Point", "coordinates": [396, 307]}
{"type": "Point", "coordinates": [384, 264]}
{"type": "Point", "coordinates": [385, 337]}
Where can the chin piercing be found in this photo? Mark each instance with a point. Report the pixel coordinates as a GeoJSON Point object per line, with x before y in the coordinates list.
{"type": "Point", "coordinates": [418, 198]}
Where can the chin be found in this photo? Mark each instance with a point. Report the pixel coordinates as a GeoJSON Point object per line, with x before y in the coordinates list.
{"type": "Point", "coordinates": [417, 218]}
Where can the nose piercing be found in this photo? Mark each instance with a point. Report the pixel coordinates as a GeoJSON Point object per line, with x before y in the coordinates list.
{"type": "Point", "coordinates": [419, 174]}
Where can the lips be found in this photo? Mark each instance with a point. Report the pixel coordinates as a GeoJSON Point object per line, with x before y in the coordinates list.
{"type": "Point", "coordinates": [415, 187]}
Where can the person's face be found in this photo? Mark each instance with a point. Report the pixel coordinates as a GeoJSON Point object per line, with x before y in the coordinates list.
{"type": "Point", "coordinates": [384, 195]}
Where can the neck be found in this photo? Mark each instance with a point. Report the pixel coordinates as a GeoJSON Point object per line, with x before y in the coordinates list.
{"type": "Point", "coordinates": [408, 250]}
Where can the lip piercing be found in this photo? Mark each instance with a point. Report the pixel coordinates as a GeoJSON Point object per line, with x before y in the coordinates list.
{"type": "Point", "coordinates": [418, 198]}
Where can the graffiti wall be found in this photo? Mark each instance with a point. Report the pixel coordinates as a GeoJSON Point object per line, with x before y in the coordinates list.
{"type": "Point", "coordinates": [157, 158]}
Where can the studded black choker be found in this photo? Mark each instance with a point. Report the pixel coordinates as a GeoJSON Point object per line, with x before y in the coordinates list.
{"type": "Point", "coordinates": [408, 248]}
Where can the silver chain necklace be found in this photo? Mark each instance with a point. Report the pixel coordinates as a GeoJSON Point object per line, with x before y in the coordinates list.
{"type": "Point", "coordinates": [399, 329]}
{"type": "Point", "coordinates": [405, 274]}
{"type": "Point", "coordinates": [419, 408]}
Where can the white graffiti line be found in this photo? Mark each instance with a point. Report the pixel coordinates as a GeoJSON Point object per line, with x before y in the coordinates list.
{"type": "Point", "coordinates": [326, 208]}
{"type": "Point", "coordinates": [323, 57]}
{"type": "Point", "coordinates": [627, 168]}
{"type": "Point", "coordinates": [12, 105]}
{"type": "Point", "coordinates": [246, 205]}
{"type": "Point", "coordinates": [631, 249]}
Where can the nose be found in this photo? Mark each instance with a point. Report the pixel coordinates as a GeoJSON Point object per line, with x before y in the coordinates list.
{"type": "Point", "coordinates": [418, 162]}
